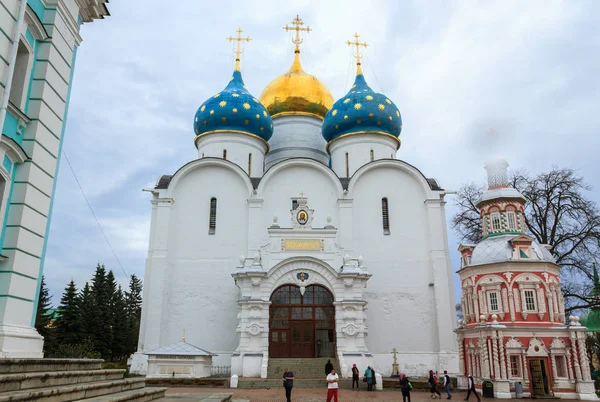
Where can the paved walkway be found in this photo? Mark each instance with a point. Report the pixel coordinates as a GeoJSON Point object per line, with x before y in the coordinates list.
{"type": "Point", "coordinates": [302, 395]}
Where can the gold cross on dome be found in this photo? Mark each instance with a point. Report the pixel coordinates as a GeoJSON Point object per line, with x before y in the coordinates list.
{"type": "Point", "coordinates": [238, 50]}
{"type": "Point", "coordinates": [302, 194]}
{"type": "Point", "coordinates": [183, 337]}
{"type": "Point", "coordinates": [357, 55]}
{"type": "Point", "coordinates": [297, 26]}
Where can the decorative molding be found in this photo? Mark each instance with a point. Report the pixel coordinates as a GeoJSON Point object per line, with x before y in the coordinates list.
{"type": "Point", "coordinates": [254, 329]}
{"type": "Point", "coordinates": [350, 329]}
{"type": "Point", "coordinates": [536, 348]}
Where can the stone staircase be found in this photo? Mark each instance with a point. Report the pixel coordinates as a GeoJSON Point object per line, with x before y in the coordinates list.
{"type": "Point", "coordinates": [303, 368]}
{"type": "Point", "coordinates": [55, 380]}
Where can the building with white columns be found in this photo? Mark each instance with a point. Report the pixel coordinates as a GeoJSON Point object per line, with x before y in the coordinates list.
{"type": "Point", "coordinates": [38, 48]}
{"type": "Point", "coordinates": [298, 233]}
{"type": "Point", "coordinates": [514, 327]}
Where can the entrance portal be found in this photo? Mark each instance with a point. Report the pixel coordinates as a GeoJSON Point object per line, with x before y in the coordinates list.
{"type": "Point", "coordinates": [539, 377]}
{"type": "Point", "coordinates": [301, 325]}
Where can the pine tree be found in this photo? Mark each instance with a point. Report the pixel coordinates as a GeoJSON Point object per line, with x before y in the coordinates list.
{"type": "Point", "coordinates": [87, 315]}
{"type": "Point", "coordinates": [68, 325]}
{"type": "Point", "coordinates": [100, 304]}
{"type": "Point", "coordinates": [134, 312]}
{"type": "Point", "coordinates": [119, 326]}
{"type": "Point", "coordinates": [43, 317]}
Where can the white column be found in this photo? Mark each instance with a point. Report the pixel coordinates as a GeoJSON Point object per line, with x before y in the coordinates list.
{"type": "Point", "coordinates": [575, 357]}
{"type": "Point", "coordinates": [511, 305]}
{"type": "Point", "coordinates": [525, 370]}
{"type": "Point", "coordinates": [502, 356]}
{"type": "Point", "coordinates": [553, 363]}
{"type": "Point", "coordinates": [570, 364]}
{"type": "Point", "coordinates": [494, 341]}
{"type": "Point", "coordinates": [475, 299]}
{"type": "Point", "coordinates": [583, 359]}
{"type": "Point", "coordinates": [485, 367]}
{"type": "Point", "coordinates": [461, 354]}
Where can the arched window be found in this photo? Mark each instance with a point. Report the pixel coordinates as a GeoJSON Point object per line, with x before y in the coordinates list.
{"type": "Point", "coordinates": [224, 154]}
{"type": "Point", "coordinates": [511, 218]}
{"type": "Point", "coordinates": [212, 220]}
{"type": "Point", "coordinates": [372, 155]}
{"type": "Point", "coordinates": [385, 215]}
{"type": "Point", "coordinates": [347, 165]}
{"type": "Point", "coordinates": [495, 216]}
{"type": "Point", "coordinates": [250, 164]}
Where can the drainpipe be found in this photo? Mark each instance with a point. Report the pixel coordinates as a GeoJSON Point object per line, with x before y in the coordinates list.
{"type": "Point", "coordinates": [11, 60]}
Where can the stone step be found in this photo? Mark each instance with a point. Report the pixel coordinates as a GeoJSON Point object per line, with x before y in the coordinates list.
{"type": "Point", "coordinates": [73, 392]}
{"type": "Point", "coordinates": [10, 366]}
{"type": "Point", "coordinates": [139, 395]}
{"type": "Point", "coordinates": [262, 383]}
{"type": "Point", "coordinates": [23, 381]}
{"type": "Point", "coordinates": [302, 368]}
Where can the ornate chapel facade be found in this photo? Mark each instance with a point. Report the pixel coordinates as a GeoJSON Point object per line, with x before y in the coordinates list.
{"type": "Point", "coordinates": [514, 327]}
{"type": "Point", "coordinates": [298, 233]}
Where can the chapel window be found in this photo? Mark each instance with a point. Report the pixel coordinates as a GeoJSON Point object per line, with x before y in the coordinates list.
{"type": "Point", "coordinates": [212, 221]}
{"type": "Point", "coordinates": [294, 203]}
{"type": "Point", "coordinates": [530, 300]}
{"type": "Point", "coordinates": [512, 221]}
{"type": "Point", "coordinates": [561, 366]}
{"type": "Point", "coordinates": [250, 164]}
{"type": "Point", "coordinates": [372, 155]}
{"type": "Point", "coordinates": [495, 221]}
{"type": "Point", "coordinates": [347, 165]}
{"type": "Point", "coordinates": [515, 366]}
{"type": "Point", "coordinates": [224, 154]}
{"type": "Point", "coordinates": [386, 216]}
{"type": "Point", "coordinates": [20, 79]}
{"type": "Point", "coordinates": [493, 301]}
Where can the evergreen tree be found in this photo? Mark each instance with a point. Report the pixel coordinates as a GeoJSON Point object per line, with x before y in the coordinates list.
{"type": "Point", "coordinates": [119, 326]}
{"type": "Point", "coordinates": [134, 312]}
{"type": "Point", "coordinates": [87, 315]}
{"type": "Point", "coordinates": [100, 304]}
{"type": "Point", "coordinates": [43, 317]}
{"type": "Point", "coordinates": [68, 325]}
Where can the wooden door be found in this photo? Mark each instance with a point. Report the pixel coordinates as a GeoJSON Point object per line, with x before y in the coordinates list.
{"type": "Point", "coordinates": [303, 339]}
{"type": "Point", "coordinates": [539, 378]}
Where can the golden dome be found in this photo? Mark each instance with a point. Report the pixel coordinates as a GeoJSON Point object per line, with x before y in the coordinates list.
{"type": "Point", "coordinates": [297, 93]}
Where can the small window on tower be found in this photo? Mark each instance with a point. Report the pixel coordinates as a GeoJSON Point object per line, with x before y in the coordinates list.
{"type": "Point", "coordinates": [224, 154]}
{"type": "Point", "coordinates": [294, 203]}
{"type": "Point", "coordinates": [386, 216]}
{"type": "Point", "coordinates": [212, 221]}
{"type": "Point", "coordinates": [347, 165]}
{"type": "Point", "coordinates": [512, 221]}
{"type": "Point", "coordinates": [250, 164]}
{"type": "Point", "coordinates": [496, 221]}
{"type": "Point", "coordinates": [372, 155]}
{"type": "Point", "coordinates": [561, 366]}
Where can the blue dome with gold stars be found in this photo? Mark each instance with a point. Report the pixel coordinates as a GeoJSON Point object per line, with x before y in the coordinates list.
{"type": "Point", "coordinates": [362, 111]}
{"type": "Point", "coordinates": [234, 110]}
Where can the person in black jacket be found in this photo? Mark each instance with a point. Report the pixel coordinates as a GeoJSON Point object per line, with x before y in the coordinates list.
{"type": "Point", "coordinates": [288, 384]}
{"type": "Point", "coordinates": [471, 386]}
{"type": "Point", "coordinates": [405, 387]}
{"type": "Point", "coordinates": [328, 367]}
{"type": "Point", "coordinates": [433, 385]}
{"type": "Point", "coordinates": [355, 374]}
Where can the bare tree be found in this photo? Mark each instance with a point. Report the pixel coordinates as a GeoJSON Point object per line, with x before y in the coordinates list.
{"type": "Point", "coordinates": [557, 213]}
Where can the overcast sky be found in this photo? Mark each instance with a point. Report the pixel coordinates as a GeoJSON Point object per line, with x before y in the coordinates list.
{"type": "Point", "coordinates": [456, 70]}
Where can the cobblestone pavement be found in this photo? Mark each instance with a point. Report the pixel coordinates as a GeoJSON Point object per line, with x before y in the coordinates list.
{"type": "Point", "coordinates": [308, 395]}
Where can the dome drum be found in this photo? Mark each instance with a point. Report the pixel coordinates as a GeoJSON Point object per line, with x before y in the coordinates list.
{"type": "Point", "coordinates": [350, 152]}
{"type": "Point", "coordinates": [245, 150]}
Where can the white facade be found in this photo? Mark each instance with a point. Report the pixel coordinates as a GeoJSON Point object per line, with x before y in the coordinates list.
{"type": "Point", "coordinates": [390, 290]}
{"type": "Point", "coordinates": [36, 72]}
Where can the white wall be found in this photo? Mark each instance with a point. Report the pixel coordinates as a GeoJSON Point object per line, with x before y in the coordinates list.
{"type": "Point", "coordinates": [358, 148]}
{"type": "Point", "coordinates": [238, 147]}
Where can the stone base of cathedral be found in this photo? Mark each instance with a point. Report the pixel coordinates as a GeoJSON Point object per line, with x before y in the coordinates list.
{"type": "Point", "coordinates": [138, 364]}
{"type": "Point", "coordinates": [586, 390]}
{"type": "Point", "coordinates": [20, 342]}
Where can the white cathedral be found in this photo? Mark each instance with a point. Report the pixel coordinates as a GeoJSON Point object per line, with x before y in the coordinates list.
{"type": "Point", "coordinates": [297, 233]}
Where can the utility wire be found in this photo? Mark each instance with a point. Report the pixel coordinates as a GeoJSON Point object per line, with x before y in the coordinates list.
{"type": "Point", "coordinates": [93, 213]}
{"type": "Point", "coordinates": [374, 75]}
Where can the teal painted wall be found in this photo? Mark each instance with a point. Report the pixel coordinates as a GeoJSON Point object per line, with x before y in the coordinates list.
{"type": "Point", "coordinates": [60, 145]}
{"type": "Point", "coordinates": [14, 168]}
{"type": "Point", "coordinates": [37, 7]}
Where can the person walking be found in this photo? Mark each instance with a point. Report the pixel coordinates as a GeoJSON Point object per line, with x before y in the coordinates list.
{"type": "Point", "coordinates": [471, 387]}
{"type": "Point", "coordinates": [355, 374]}
{"type": "Point", "coordinates": [405, 386]}
{"type": "Point", "coordinates": [332, 386]}
{"type": "Point", "coordinates": [447, 384]}
{"type": "Point", "coordinates": [288, 384]}
{"type": "Point", "coordinates": [433, 385]}
{"type": "Point", "coordinates": [369, 376]}
{"type": "Point", "coordinates": [328, 367]}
